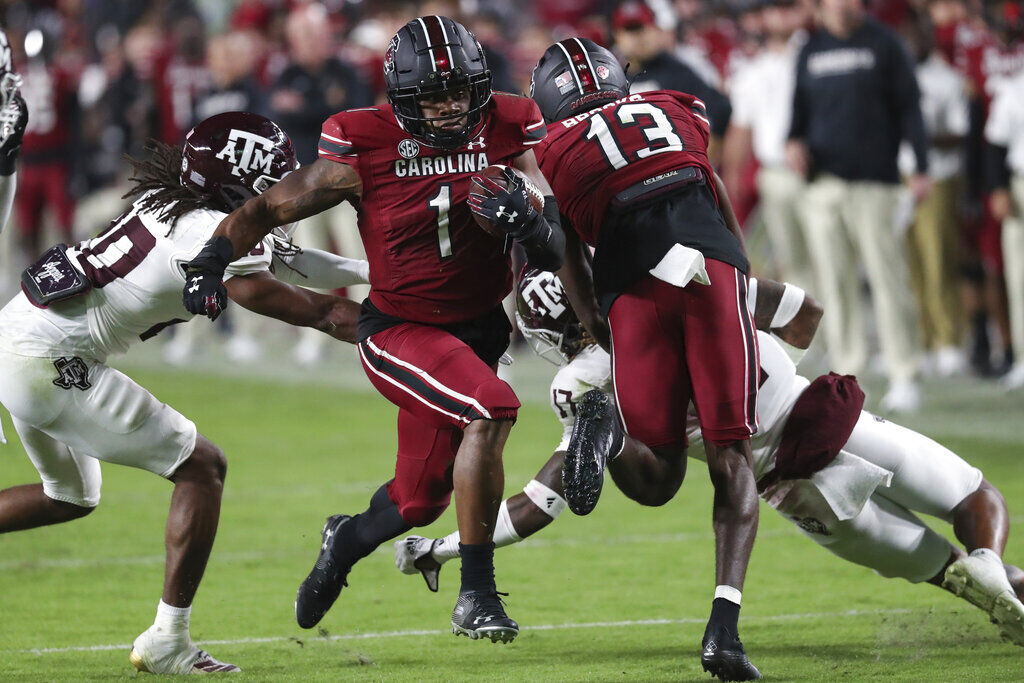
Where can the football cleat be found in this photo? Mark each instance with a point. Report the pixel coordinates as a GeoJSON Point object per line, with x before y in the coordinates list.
{"type": "Point", "coordinates": [416, 554]}
{"type": "Point", "coordinates": [158, 652]}
{"type": "Point", "coordinates": [481, 614]}
{"type": "Point", "coordinates": [981, 580]}
{"type": "Point", "coordinates": [722, 655]}
{"type": "Point", "coordinates": [596, 438]}
{"type": "Point", "coordinates": [323, 585]}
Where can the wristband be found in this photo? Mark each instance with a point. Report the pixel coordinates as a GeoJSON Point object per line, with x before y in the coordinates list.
{"type": "Point", "coordinates": [789, 306]}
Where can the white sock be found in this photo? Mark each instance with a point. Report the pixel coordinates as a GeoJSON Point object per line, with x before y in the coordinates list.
{"type": "Point", "coordinates": [504, 532]}
{"type": "Point", "coordinates": [729, 593]}
{"type": "Point", "coordinates": [447, 547]}
{"type": "Point", "coordinates": [172, 619]}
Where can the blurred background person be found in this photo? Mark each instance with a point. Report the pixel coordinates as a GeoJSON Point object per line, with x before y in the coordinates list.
{"type": "Point", "coordinates": [1005, 132]}
{"type": "Point", "coordinates": [231, 59]}
{"type": "Point", "coordinates": [855, 99]}
{"type": "Point", "coordinates": [642, 42]}
{"type": "Point", "coordinates": [47, 154]}
{"type": "Point", "coordinates": [314, 85]}
{"type": "Point", "coordinates": [933, 240]}
{"type": "Point", "coordinates": [762, 104]}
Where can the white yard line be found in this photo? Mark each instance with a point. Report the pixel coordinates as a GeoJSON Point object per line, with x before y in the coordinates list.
{"type": "Point", "coordinates": [543, 627]}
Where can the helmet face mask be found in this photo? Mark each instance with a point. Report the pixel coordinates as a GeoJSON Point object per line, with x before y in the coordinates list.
{"type": "Point", "coordinates": [437, 58]}
{"type": "Point", "coordinates": [235, 156]}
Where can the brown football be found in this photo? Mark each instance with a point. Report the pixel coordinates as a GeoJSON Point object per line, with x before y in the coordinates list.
{"type": "Point", "coordinates": [494, 173]}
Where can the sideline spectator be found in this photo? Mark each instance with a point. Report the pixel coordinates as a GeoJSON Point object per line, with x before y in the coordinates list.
{"type": "Point", "coordinates": [856, 97]}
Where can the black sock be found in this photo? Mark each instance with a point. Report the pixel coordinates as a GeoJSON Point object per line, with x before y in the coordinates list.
{"type": "Point", "coordinates": [477, 566]}
{"type": "Point", "coordinates": [380, 523]}
{"type": "Point", "coordinates": [725, 614]}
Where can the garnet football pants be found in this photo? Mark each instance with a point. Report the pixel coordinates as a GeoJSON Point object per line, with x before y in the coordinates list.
{"type": "Point", "coordinates": [440, 385]}
{"type": "Point", "coordinates": [673, 344]}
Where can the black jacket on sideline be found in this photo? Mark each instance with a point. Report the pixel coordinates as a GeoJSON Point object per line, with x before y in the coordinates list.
{"type": "Point", "coordinates": [668, 72]}
{"type": "Point", "coordinates": [854, 101]}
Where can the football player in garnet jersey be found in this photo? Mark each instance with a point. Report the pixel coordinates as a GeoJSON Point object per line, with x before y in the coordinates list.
{"type": "Point", "coordinates": [631, 174]}
{"type": "Point", "coordinates": [83, 303]}
{"type": "Point", "coordinates": [432, 329]}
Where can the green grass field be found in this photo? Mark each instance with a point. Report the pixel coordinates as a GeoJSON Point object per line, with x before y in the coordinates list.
{"type": "Point", "coordinates": [620, 595]}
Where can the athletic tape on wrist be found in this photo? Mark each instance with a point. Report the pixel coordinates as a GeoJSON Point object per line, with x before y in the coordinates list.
{"type": "Point", "coordinates": [729, 593]}
{"type": "Point", "coordinates": [752, 295]}
{"type": "Point", "coordinates": [789, 306]}
{"type": "Point", "coordinates": [547, 500]}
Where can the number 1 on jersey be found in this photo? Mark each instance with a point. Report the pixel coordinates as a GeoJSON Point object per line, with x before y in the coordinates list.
{"type": "Point", "coordinates": [442, 204]}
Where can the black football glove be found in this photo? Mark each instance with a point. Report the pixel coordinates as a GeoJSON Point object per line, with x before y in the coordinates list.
{"type": "Point", "coordinates": [13, 120]}
{"type": "Point", "coordinates": [204, 292]}
{"type": "Point", "coordinates": [509, 208]}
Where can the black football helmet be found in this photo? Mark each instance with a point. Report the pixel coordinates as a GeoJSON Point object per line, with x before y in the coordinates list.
{"type": "Point", "coordinates": [546, 319]}
{"type": "Point", "coordinates": [575, 75]}
{"type": "Point", "coordinates": [433, 55]}
{"type": "Point", "coordinates": [234, 156]}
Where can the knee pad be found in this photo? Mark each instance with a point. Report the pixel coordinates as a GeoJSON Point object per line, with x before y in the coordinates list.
{"type": "Point", "coordinates": [498, 399]}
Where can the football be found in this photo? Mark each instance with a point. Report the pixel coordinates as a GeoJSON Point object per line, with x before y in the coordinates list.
{"type": "Point", "coordinates": [494, 172]}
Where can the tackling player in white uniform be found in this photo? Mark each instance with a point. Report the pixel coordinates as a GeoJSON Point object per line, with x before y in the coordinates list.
{"type": "Point", "coordinates": [860, 506]}
{"type": "Point", "coordinates": [81, 304]}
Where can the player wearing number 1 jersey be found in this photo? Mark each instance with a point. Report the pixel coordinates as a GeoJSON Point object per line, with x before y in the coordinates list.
{"type": "Point", "coordinates": [631, 174]}
{"type": "Point", "coordinates": [84, 303]}
{"type": "Point", "coordinates": [432, 329]}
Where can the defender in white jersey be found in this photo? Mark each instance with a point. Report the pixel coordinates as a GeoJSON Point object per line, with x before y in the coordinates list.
{"type": "Point", "coordinates": [13, 120]}
{"type": "Point", "coordinates": [861, 506]}
{"type": "Point", "coordinates": [84, 303]}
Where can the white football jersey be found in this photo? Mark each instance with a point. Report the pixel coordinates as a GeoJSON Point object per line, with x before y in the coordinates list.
{"type": "Point", "coordinates": [779, 390]}
{"type": "Point", "coordinates": [135, 268]}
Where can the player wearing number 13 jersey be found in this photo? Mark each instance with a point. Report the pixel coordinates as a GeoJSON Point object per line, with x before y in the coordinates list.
{"type": "Point", "coordinates": [433, 329]}
{"type": "Point", "coordinates": [631, 174]}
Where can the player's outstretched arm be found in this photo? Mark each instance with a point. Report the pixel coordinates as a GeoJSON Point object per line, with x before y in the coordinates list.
{"type": "Point", "coordinates": [578, 281]}
{"type": "Point", "coordinates": [316, 268]}
{"type": "Point", "coordinates": [13, 120]}
{"type": "Point", "coordinates": [300, 194]}
{"type": "Point", "coordinates": [263, 294]}
{"type": "Point", "coordinates": [786, 311]}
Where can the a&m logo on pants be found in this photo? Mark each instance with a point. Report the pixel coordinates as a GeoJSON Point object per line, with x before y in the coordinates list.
{"type": "Point", "coordinates": [73, 373]}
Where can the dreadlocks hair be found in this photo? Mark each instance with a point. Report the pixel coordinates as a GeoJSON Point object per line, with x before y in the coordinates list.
{"type": "Point", "coordinates": [159, 174]}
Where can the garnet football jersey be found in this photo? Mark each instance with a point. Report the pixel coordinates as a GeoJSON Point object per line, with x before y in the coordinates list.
{"type": "Point", "coordinates": [429, 260]}
{"type": "Point", "coordinates": [591, 157]}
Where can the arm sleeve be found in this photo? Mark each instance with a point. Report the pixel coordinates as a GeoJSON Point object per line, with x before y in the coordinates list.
{"type": "Point", "coordinates": [907, 97]}
{"type": "Point", "coordinates": [317, 269]}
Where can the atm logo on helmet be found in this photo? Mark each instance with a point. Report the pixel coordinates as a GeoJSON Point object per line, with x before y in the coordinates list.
{"type": "Point", "coordinates": [247, 152]}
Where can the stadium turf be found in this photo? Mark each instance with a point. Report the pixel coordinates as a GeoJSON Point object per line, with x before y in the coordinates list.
{"type": "Point", "coordinates": [619, 595]}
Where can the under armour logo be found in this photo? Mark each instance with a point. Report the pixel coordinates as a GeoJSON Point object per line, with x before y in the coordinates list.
{"type": "Point", "coordinates": [477, 144]}
{"type": "Point", "coordinates": [257, 152]}
{"type": "Point", "coordinates": [195, 287]}
{"type": "Point", "coordinates": [510, 217]}
{"type": "Point", "coordinates": [327, 538]}
{"type": "Point", "coordinates": [482, 620]}
{"type": "Point", "coordinates": [73, 373]}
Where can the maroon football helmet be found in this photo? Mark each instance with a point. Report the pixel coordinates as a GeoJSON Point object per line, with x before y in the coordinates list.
{"type": "Point", "coordinates": [234, 156]}
{"type": "Point", "coordinates": [546, 319]}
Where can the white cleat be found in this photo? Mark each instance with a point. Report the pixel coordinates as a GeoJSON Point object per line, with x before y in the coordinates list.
{"type": "Point", "coordinates": [904, 396]}
{"type": "Point", "coordinates": [158, 652]}
{"type": "Point", "coordinates": [981, 580]}
{"type": "Point", "coordinates": [413, 554]}
{"type": "Point", "coordinates": [1014, 379]}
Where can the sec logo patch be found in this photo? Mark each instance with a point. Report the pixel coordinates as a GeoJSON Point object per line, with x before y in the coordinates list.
{"type": "Point", "coordinates": [408, 148]}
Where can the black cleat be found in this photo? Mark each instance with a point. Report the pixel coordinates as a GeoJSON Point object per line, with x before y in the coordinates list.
{"type": "Point", "coordinates": [323, 585]}
{"type": "Point", "coordinates": [480, 614]}
{"type": "Point", "coordinates": [597, 437]}
{"type": "Point", "coordinates": [723, 656]}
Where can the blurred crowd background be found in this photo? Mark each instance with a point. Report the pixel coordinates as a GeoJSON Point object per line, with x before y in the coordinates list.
{"type": "Point", "coordinates": [922, 247]}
